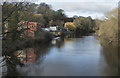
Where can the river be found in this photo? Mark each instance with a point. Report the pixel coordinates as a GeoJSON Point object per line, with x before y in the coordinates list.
{"type": "Point", "coordinates": [70, 56]}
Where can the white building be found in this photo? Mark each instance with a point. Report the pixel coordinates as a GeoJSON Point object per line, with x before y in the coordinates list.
{"type": "Point", "coordinates": [53, 28]}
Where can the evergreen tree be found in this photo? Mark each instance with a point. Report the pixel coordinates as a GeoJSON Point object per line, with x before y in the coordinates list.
{"type": "Point", "coordinates": [12, 26]}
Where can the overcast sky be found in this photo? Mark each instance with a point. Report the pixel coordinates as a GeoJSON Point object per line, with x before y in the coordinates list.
{"type": "Point", "coordinates": [93, 8]}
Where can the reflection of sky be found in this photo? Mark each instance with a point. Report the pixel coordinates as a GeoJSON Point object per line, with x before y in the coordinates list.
{"type": "Point", "coordinates": [81, 57]}
{"type": "Point", "coordinates": [75, 58]}
{"type": "Point", "coordinates": [93, 8]}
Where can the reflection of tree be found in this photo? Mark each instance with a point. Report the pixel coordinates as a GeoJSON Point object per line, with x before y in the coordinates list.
{"type": "Point", "coordinates": [41, 50]}
{"type": "Point", "coordinates": [69, 37]}
{"type": "Point", "coordinates": [111, 57]}
{"type": "Point", "coordinates": [11, 63]}
{"type": "Point", "coordinates": [36, 52]}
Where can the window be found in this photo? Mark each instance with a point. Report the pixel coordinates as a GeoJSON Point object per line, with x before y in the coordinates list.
{"type": "Point", "coordinates": [31, 26]}
{"type": "Point", "coordinates": [29, 57]}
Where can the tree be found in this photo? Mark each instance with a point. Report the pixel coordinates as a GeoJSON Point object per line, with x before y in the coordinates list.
{"type": "Point", "coordinates": [46, 11]}
{"type": "Point", "coordinates": [12, 26]}
{"type": "Point", "coordinates": [97, 24]}
{"type": "Point", "coordinates": [86, 24]}
{"type": "Point", "coordinates": [108, 31]}
{"type": "Point", "coordinates": [75, 16]}
{"type": "Point", "coordinates": [70, 26]}
{"type": "Point", "coordinates": [56, 23]}
{"type": "Point", "coordinates": [39, 19]}
{"type": "Point", "coordinates": [27, 12]}
{"type": "Point", "coordinates": [60, 15]}
{"type": "Point", "coordinates": [13, 13]}
{"type": "Point", "coordinates": [79, 22]}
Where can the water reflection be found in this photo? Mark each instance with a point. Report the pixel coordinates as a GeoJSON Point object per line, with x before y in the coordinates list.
{"type": "Point", "coordinates": [26, 55]}
{"type": "Point", "coordinates": [23, 58]}
{"type": "Point", "coordinates": [58, 42]}
{"type": "Point", "coordinates": [68, 56]}
{"type": "Point", "coordinates": [110, 55]}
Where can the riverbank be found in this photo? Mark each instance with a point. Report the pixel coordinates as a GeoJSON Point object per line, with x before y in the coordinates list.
{"type": "Point", "coordinates": [9, 46]}
{"type": "Point", "coordinates": [106, 40]}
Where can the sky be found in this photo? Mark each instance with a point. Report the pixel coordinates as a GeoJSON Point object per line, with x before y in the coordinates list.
{"type": "Point", "coordinates": [93, 8]}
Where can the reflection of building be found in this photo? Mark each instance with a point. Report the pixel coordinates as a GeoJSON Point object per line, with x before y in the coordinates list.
{"type": "Point", "coordinates": [58, 42]}
{"type": "Point", "coordinates": [27, 55]}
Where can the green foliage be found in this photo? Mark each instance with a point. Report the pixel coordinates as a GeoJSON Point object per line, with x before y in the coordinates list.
{"type": "Point", "coordinates": [12, 26]}
{"type": "Point", "coordinates": [39, 19]}
{"type": "Point", "coordinates": [46, 11]}
{"type": "Point", "coordinates": [7, 10]}
{"type": "Point", "coordinates": [86, 24]}
{"type": "Point", "coordinates": [14, 12]}
{"type": "Point", "coordinates": [49, 14]}
{"type": "Point", "coordinates": [56, 23]}
{"type": "Point", "coordinates": [59, 15]}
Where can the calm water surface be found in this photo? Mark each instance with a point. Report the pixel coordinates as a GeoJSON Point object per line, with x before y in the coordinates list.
{"type": "Point", "coordinates": [70, 57]}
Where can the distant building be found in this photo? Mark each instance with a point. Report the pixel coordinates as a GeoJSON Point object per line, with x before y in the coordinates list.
{"type": "Point", "coordinates": [53, 28]}
{"type": "Point", "coordinates": [56, 28]}
{"type": "Point", "coordinates": [29, 28]}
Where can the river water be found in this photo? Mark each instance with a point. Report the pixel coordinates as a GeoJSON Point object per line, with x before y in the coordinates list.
{"type": "Point", "coordinates": [82, 56]}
